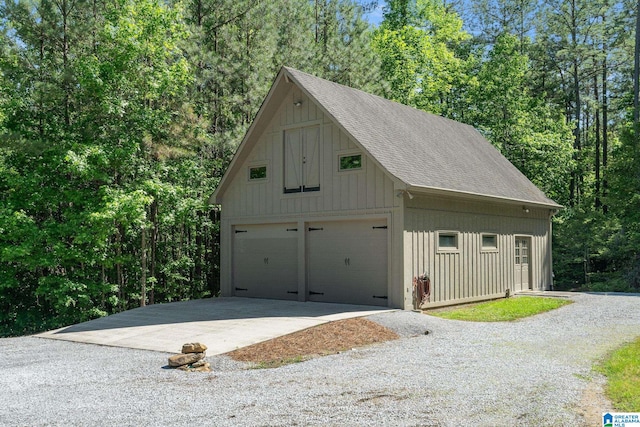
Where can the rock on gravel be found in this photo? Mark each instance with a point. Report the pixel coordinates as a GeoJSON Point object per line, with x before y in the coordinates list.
{"type": "Point", "coordinates": [185, 359]}
{"type": "Point", "coordinates": [532, 372]}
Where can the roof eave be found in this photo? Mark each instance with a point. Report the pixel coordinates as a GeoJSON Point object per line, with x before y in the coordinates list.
{"type": "Point", "coordinates": [482, 197]}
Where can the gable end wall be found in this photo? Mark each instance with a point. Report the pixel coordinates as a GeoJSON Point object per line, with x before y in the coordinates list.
{"type": "Point", "coordinates": [365, 190]}
{"type": "Point", "coordinates": [362, 194]}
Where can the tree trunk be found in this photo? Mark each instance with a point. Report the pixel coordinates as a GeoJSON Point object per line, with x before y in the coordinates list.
{"type": "Point", "coordinates": [66, 87]}
{"type": "Point", "coordinates": [598, 203]}
{"type": "Point", "coordinates": [605, 125]}
{"type": "Point", "coordinates": [119, 275]}
{"type": "Point", "coordinates": [41, 76]}
{"type": "Point", "coordinates": [577, 144]}
{"type": "Point", "coordinates": [143, 267]}
{"type": "Point", "coordinates": [154, 249]}
{"type": "Point", "coordinates": [317, 24]}
{"type": "Point", "coordinates": [199, 243]}
{"type": "Point", "coordinates": [636, 75]}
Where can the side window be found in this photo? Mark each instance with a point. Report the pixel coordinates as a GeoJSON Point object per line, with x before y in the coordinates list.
{"type": "Point", "coordinates": [302, 160]}
{"type": "Point", "coordinates": [448, 241]}
{"type": "Point", "coordinates": [489, 242]}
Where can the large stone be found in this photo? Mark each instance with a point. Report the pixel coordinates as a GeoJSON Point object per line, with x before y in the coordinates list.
{"type": "Point", "coordinates": [206, 367]}
{"type": "Point", "coordinates": [194, 347]}
{"type": "Point", "coordinates": [199, 363]}
{"type": "Point", "coordinates": [185, 359]}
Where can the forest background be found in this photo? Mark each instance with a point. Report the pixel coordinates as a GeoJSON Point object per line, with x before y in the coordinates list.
{"type": "Point", "coordinates": [119, 117]}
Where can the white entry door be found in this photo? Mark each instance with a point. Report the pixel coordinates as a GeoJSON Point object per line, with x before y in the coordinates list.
{"type": "Point", "coordinates": [265, 261]}
{"type": "Point", "coordinates": [522, 258]}
{"type": "Point", "coordinates": [347, 262]}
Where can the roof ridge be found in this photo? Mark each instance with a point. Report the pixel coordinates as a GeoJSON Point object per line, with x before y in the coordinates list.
{"type": "Point", "coordinates": [381, 98]}
{"type": "Point", "coordinates": [420, 148]}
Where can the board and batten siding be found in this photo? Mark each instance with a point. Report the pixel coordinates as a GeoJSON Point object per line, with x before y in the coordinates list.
{"type": "Point", "coordinates": [355, 195]}
{"type": "Point", "coordinates": [472, 273]}
{"type": "Point", "coordinates": [368, 189]}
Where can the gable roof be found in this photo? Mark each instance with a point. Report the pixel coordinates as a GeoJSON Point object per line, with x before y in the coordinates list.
{"type": "Point", "coordinates": [419, 149]}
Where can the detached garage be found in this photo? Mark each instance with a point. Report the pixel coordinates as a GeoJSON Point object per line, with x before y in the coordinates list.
{"type": "Point", "coordinates": [337, 195]}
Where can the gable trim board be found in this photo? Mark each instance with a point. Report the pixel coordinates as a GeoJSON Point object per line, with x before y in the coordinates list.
{"type": "Point", "coordinates": [420, 174]}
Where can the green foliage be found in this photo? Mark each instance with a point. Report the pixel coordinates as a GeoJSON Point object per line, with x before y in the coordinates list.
{"type": "Point", "coordinates": [624, 239]}
{"type": "Point", "coordinates": [537, 140]}
{"type": "Point", "coordinates": [551, 104]}
{"type": "Point", "coordinates": [595, 251]}
{"type": "Point", "coordinates": [420, 59]}
{"type": "Point", "coordinates": [118, 119]}
{"type": "Point", "coordinates": [622, 369]}
{"type": "Point", "coordinates": [78, 157]}
{"type": "Point", "coordinates": [503, 310]}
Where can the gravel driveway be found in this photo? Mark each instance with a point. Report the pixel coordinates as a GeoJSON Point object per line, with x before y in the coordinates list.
{"type": "Point", "coordinates": [532, 372]}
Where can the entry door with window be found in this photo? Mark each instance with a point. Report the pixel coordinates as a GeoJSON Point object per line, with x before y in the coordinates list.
{"type": "Point", "coordinates": [522, 250]}
{"type": "Point", "coordinates": [302, 160]}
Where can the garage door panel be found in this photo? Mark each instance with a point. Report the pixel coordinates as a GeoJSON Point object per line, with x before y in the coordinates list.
{"type": "Point", "coordinates": [265, 261]}
{"type": "Point", "coordinates": [348, 262]}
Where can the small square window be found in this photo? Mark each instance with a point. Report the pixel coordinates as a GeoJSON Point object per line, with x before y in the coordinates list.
{"type": "Point", "coordinates": [489, 241]}
{"type": "Point", "coordinates": [350, 162]}
{"type": "Point", "coordinates": [257, 173]}
{"type": "Point", "coordinates": [447, 240]}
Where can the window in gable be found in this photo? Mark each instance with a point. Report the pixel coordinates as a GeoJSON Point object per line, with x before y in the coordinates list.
{"type": "Point", "coordinates": [349, 162]}
{"type": "Point", "coordinates": [258, 173]}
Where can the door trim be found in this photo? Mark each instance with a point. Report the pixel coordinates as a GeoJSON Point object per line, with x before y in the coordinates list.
{"type": "Point", "coordinates": [529, 239]}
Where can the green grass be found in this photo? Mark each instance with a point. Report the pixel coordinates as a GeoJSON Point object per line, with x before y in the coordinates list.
{"type": "Point", "coordinates": [622, 369]}
{"type": "Point", "coordinates": [503, 310]}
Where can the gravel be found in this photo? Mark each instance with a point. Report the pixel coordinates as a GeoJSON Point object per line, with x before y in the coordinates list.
{"type": "Point", "coordinates": [531, 372]}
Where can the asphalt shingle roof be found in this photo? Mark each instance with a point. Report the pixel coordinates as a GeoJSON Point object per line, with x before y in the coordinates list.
{"type": "Point", "coordinates": [418, 148]}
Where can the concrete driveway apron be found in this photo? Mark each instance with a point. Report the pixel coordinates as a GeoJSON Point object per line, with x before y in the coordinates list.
{"type": "Point", "coordinates": [223, 324]}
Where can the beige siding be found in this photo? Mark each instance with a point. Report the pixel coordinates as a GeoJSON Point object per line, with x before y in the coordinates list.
{"type": "Point", "coordinates": [468, 274]}
{"type": "Point", "coordinates": [365, 194]}
{"type": "Point", "coordinates": [369, 189]}
{"type": "Point", "coordinates": [471, 273]}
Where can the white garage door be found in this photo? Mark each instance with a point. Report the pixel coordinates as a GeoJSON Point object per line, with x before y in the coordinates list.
{"type": "Point", "coordinates": [348, 262]}
{"type": "Point", "coordinates": [265, 261]}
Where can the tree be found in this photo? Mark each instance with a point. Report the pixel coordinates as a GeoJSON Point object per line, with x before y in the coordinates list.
{"type": "Point", "coordinates": [89, 123]}
{"type": "Point", "coordinates": [422, 60]}
{"type": "Point", "coordinates": [342, 46]}
{"type": "Point", "coordinates": [535, 138]}
{"type": "Point", "coordinates": [496, 17]}
{"type": "Point", "coordinates": [636, 72]}
{"type": "Point", "coordinates": [572, 27]}
{"type": "Point", "coordinates": [117, 121]}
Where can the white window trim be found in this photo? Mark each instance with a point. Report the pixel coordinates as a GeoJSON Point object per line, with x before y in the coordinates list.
{"type": "Point", "coordinates": [258, 165]}
{"type": "Point", "coordinates": [346, 153]}
{"type": "Point", "coordinates": [488, 248]}
{"type": "Point", "coordinates": [440, 249]}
